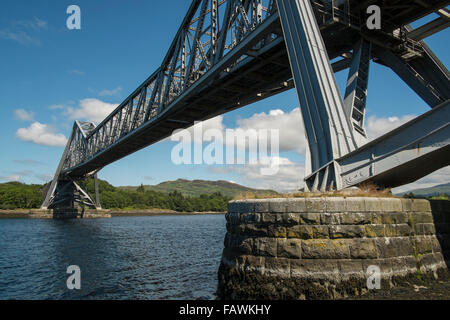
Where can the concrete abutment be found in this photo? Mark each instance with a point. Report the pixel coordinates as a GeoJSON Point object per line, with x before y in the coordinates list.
{"type": "Point", "coordinates": [321, 248]}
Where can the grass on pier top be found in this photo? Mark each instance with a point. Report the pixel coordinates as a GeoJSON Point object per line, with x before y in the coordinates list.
{"type": "Point", "coordinates": [366, 190]}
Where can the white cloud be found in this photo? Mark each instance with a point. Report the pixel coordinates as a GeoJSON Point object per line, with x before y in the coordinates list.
{"type": "Point", "coordinates": [376, 127]}
{"type": "Point", "coordinates": [15, 178]}
{"type": "Point", "coordinates": [91, 110]}
{"type": "Point", "coordinates": [34, 23]}
{"type": "Point", "coordinates": [42, 134]}
{"type": "Point", "coordinates": [289, 125]}
{"type": "Point", "coordinates": [112, 92]}
{"type": "Point", "coordinates": [289, 177]}
{"type": "Point", "coordinates": [19, 31]}
{"type": "Point", "coordinates": [23, 115]}
{"type": "Point", "coordinates": [44, 177]}
{"type": "Point", "coordinates": [213, 123]}
{"type": "Point", "coordinates": [19, 37]}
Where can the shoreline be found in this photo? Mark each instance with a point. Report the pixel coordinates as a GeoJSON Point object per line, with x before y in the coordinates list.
{"type": "Point", "coordinates": [90, 214]}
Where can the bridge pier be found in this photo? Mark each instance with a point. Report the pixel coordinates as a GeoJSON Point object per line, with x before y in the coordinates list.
{"type": "Point", "coordinates": [327, 248]}
{"type": "Point", "coordinates": [69, 200]}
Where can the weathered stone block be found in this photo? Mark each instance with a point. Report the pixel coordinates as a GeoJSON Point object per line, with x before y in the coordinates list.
{"type": "Point", "coordinates": [309, 218]}
{"type": "Point", "coordinates": [249, 218]}
{"type": "Point", "coordinates": [261, 205]}
{"type": "Point", "coordinates": [423, 244]}
{"type": "Point", "coordinates": [406, 205]}
{"type": "Point", "coordinates": [420, 205]}
{"type": "Point", "coordinates": [347, 267]}
{"type": "Point", "coordinates": [233, 207]}
{"type": "Point", "coordinates": [394, 247]}
{"type": "Point", "coordinates": [307, 268]}
{"type": "Point", "coordinates": [376, 217]}
{"type": "Point", "coordinates": [295, 232]}
{"type": "Point", "coordinates": [290, 218]}
{"type": "Point", "coordinates": [308, 232]}
{"type": "Point", "coordinates": [372, 204]}
{"type": "Point", "coordinates": [268, 218]}
{"type": "Point", "coordinates": [289, 248]}
{"type": "Point", "coordinates": [363, 249]}
{"type": "Point", "coordinates": [391, 205]}
{"type": "Point", "coordinates": [429, 260]}
{"type": "Point", "coordinates": [346, 231]}
{"type": "Point", "coordinates": [277, 205]}
{"type": "Point", "coordinates": [245, 245]}
{"type": "Point", "coordinates": [246, 206]}
{"type": "Point", "coordinates": [355, 204]}
{"type": "Point", "coordinates": [234, 218]}
{"type": "Point", "coordinates": [335, 204]}
{"type": "Point", "coordinates": [255, 230]}
{"type": "Point", "coordinates": [252, 264]}
{"type": "Point", "coordinates": [397, 230]}
{"type": "Point", "coordinates": [330, 218]}
{"type": "Point", "coordinates": [315, 204]}
{"type": "Point", "coordinates": [387, 217]}
{"type": "Point", "coordinates": [296, 205]}
{"type": "Point", "coordinates": [421, 217]}
{"type": "Point", "coordinates": [279, 267]}
{"type": "Point", "coordinates": [385, 266]}
{"type": "Point", "coordinates": [325, 249]}
{"type": "Point", "coordinates": [435, 244]}
{"type": "Point", "coordinates": [266, 247]}
{"type": "Point", "coordinates": [356, 218]}
{"type": "Point", "coordinates": [374, 230]}
{"type": "Point", "coordinates": [424, 229]}
{"type": "Point", "coordinates": [276, 231]}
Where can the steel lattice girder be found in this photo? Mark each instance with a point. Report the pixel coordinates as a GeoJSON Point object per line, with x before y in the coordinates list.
{"type": "Point", "coordinates": [227, 54]}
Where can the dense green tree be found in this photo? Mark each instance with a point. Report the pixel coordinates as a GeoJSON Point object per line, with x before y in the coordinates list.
{"type": "Point", "coordinates": [15, 195]}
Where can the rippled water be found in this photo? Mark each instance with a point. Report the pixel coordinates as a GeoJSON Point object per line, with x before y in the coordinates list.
{"type": "Point", "coordinates": [163, 257]}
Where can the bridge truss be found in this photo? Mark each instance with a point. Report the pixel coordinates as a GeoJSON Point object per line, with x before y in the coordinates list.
{"type": "Point", "coordinates": [230, 53]}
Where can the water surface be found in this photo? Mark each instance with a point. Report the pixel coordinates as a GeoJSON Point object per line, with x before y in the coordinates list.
{"type": "Point", "coordinates": [159, 257]}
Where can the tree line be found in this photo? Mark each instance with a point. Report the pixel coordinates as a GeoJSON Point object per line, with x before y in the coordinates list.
{"type": "Point", "coordinates": [16, 195]}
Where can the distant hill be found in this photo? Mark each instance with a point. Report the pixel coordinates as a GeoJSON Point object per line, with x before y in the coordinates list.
{"type": "Point", "coordinates": [442, 189]}
{"type": "Point", "coordinates": [196, 188]}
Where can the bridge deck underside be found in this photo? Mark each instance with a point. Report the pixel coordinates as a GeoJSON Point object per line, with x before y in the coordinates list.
{"type": "Point", "coordinates": [258, 75]}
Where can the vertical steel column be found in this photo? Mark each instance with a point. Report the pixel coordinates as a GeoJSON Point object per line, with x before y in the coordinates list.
{"type": "Point", "coordinates": [97, 195]}
{"type": "Point", "coordinates": [328, 131]}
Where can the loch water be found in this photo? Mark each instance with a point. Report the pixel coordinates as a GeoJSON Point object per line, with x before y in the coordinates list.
{"type": "Point", "coordinates": [152, 257]}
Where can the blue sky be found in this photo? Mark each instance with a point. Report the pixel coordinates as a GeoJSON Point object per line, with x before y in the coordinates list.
{"type": "Point", "coordinates": [50, 74]}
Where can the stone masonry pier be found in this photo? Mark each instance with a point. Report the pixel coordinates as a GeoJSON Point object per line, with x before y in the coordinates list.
{"type": "Point", "coordinates": [321, 248]}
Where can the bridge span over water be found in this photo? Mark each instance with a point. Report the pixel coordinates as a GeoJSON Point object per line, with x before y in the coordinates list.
{"type": "Point", "coordinates": [230, 53]}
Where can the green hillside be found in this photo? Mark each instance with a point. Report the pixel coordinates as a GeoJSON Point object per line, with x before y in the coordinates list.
{"type": "Point", "coordinates": [196, 188]}
{"type": "Point", "coordinates": [442, 189]}
{"type": "Point", "coordinates": [180, 195]}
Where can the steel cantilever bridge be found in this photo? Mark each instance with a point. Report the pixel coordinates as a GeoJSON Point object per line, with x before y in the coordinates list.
{"type": "Point", "coordinates": [230, 53]}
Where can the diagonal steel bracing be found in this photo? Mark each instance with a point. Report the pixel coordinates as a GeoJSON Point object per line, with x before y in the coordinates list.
{"type": "Point", "coordinates": [230, 53]}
